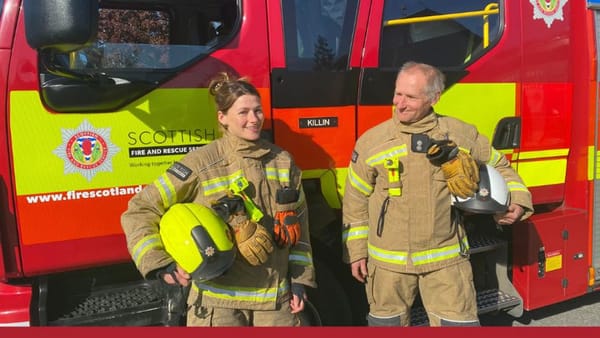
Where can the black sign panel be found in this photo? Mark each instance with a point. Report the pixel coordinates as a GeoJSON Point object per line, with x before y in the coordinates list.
{"type": "Point", "coordinates": [319, 122]}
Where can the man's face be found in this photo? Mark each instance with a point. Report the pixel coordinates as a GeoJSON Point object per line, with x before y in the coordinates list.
{"type": "Point", "coordinates": [410, 102]}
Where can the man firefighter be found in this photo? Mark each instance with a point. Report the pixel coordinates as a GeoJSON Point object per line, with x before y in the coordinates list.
{"type": "Point", "coordinates": [398, 233]}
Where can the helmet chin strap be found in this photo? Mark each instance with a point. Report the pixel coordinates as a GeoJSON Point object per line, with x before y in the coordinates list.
{"type": "Point", "coordinates": [457, 220]}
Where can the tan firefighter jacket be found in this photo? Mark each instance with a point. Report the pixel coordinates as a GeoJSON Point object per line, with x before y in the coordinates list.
{"type": "Point", "coordinates": [391, 185]}
{"type": "Point", "coordinates": [203, 176]}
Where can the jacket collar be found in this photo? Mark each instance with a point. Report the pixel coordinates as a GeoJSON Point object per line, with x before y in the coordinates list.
{"type": "Point", "coordinates": [245, 148]}
{"type": "Point", "coordinates": [424, 125]}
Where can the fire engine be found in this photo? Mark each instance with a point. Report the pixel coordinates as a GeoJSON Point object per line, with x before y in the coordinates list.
{"type": "Point", "coordinates": [99, 97]}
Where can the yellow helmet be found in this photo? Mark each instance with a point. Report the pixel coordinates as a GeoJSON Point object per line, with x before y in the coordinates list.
{"type": "Point", "coordinates": [198, 240]}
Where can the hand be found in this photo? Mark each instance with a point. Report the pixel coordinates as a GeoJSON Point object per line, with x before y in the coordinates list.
{"type": "Point", "coordinates": [296, 304]}
{"type": "Point", "coordinates": [512, 215]}
{"type": "Point", "coordinates": [176, 276]}
{"type": "Point", "coordinates": [359, 270]}
{"type": "Point", "coordinates": [298, 297]}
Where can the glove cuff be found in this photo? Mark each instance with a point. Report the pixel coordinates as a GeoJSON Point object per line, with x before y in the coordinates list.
{"type": "Point", "coordinates": [446, 151]}
{"type": "Point", "coordinates": [298, 290]}
{"type": "Point", "coordinates": [238, 220]}
{"type": "Point", "coordinates": [165, 270]}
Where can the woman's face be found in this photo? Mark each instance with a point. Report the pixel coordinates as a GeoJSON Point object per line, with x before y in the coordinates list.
{"type": "Point", "coordinates": [245, 118]}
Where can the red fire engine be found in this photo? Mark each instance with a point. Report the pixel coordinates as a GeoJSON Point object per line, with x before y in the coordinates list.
{"type": "Point", "coordinates": [97, 98]}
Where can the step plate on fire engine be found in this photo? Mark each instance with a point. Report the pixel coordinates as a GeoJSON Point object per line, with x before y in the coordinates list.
{"type": "Point", "coordinates": [480, 243]}
{"type": "Point", "coordinates": [487, 301]}
{"type": "Point", "coordinates": [134, 304]}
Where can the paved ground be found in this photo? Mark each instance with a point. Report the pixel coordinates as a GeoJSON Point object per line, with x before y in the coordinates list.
{"type": "Point", "coordinates": [581, 311]}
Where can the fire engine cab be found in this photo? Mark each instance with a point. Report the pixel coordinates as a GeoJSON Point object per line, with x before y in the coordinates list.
{"type": "Point", "coordinates": [99, 97]}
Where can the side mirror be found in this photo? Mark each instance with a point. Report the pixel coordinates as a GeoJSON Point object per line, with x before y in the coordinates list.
{"type": "Point", "coordinates": [61, 25]}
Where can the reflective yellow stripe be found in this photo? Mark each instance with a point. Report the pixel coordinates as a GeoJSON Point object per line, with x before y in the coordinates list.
{"type": "Point", "coordinates": [538, 154]}
{"type": "Point", "coordinates": [380, 157]}
{"type": "Point", "coordinates": [219, 184]}
{"type": "Point", "coordinates": [495, 157]}
{"type": "Point", "coordinates": [166, 190]}
{"type": "Point", "coordinates": [516, 186]}
{"type": "Point", "coordinates": [280, 175]}
{"type": "Point", "coordinates": [243, 294]}
{"type": "Point", "coordinates": [353, 233]}
{"type": "Point", "coordinates": [300, 258]}
{"type": "Point", "coordinates": [593, 163]}
{"type": "Point", "coordinates": [440, 254]}
{"type": "Point", "coordinates": [358, 183]}
{"type": "Point", "coordinates": [388, 256]}
{"type": "Point", "coordinates": [544, 172]}
{"type": "Point", "coordinates": [541, 167]}
{"type": "Point", "coordinates": [417, 258]}
{"type": "Point", "coordinates": [389, 159]}
{"type": "Point", "coordinates": [146, 244]}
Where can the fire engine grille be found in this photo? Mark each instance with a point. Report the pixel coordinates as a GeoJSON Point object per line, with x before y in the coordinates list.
{"type": "Point", "coordinates": [487, 301]}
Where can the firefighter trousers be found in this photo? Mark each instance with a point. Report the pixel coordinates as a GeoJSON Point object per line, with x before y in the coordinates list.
{"type": "Point", "coordinates": [448, 295]}
{"type": "Point", "coordinates": [214, 317]}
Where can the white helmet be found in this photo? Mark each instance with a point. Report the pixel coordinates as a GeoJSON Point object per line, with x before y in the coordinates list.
{"type": "Point", "coordinates": [492, 195]}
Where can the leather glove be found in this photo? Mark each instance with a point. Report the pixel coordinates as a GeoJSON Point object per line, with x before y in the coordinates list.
{"type": "Point", "coordinates": [254, 242]}
{"type": "Point", "coordinates": [459, 168]}
{"type": "Point", "coordinates": [286, 228]}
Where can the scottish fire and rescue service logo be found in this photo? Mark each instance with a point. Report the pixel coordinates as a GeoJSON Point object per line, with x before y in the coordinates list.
{"type": "Point", "coordinates": [86, 150]}
{"type": "Point", "coordinates": [548, 10]}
